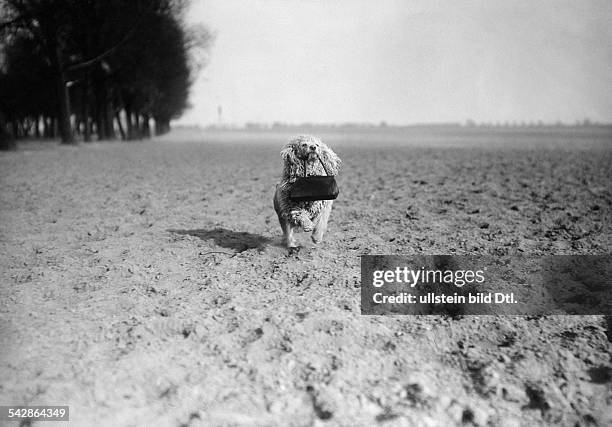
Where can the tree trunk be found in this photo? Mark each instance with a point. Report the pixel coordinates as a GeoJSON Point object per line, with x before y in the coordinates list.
{"type": "Point", "coordinates": [85, 102]}
{"type": "Point", "coordinates": [108, 114]}
{"type": "Point", "coordinates": [15, 128]}
{"type": "Point", "coordinates": [99, 96]}
{"type": "Point", "coordinates": [137, 134]}
{"type": "Point", "coordinates": [162, 126]}
{"type": "Point", "coordinates": [26, 127]}
{"type": "Point", "coordinates": [128, 122]}
{"type": "Point", "coordinates": [46, 131]}
{"type": "Point", "coordinates": [36, 127]}
{"type": "Point", "coordinates": [49, 127]}
{"type": "Point", "coordinates": [146, 129]}
{"type": "Point", "coordinates": [7, 142]}
{"type": "Point", "coordinates": [100, 128]}
{"type": "Point", "coordinates": [121, 131]}
{"type": "Point", "coordinates": [104, 114]}
{"type": "Point", "coordinates": [65, 128]}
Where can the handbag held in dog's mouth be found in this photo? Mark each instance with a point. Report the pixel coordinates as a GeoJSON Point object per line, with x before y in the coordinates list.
{"type": "Point", "coordinates": [311, 188]}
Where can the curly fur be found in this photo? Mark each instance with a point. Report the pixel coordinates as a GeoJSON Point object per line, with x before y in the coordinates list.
{"type": "Point", "coordinates": [307, 216]}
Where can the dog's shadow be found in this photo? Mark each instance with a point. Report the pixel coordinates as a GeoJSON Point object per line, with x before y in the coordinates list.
{"type": "Point", "coordinates": [238, 241]}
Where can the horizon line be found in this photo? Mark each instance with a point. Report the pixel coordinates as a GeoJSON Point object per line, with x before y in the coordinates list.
{"type": "Point", "coordinates": [383, 124]}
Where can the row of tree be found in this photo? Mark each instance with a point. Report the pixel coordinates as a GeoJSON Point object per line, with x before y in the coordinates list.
{"type": "Point", "coordinates": [95, 67]}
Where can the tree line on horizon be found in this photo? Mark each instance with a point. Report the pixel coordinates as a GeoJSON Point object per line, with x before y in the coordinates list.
{"type": "Point", "coordinates": [94, 67]}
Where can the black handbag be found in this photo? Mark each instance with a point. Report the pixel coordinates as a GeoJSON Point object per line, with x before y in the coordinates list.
{"type": "Point", "coordinates": [311, 188]}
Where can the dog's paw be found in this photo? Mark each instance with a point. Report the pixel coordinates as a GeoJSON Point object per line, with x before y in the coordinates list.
{"type": "Point", "coordinates": [294, 250]}
{"type": "Point", "coordinates": [289, 242]}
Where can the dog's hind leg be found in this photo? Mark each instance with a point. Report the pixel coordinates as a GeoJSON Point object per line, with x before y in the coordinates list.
{"type": "Point", "coordinates": [321, 223]}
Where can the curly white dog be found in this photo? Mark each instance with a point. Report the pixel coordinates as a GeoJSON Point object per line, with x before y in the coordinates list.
{"type": "Point", "coordinates": [309, 216]}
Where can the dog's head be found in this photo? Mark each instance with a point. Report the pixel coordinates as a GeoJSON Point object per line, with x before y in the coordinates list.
{"type": "Point", "coordinates": [310, 149]}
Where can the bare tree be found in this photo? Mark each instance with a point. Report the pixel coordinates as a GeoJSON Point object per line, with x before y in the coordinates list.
{"type": "Point", "coordinates": [100, 58]}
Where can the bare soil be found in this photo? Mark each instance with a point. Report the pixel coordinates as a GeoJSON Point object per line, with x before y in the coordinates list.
{"type": "Point", "coordinates": [144, 283]}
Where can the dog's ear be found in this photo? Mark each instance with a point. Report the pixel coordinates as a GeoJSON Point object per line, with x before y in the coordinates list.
{"type": "Point", "coordinates": [288, 154]}
{"type": "Point", "coordinates": [331, 159]}
{"type": "Point", "coordinates": [290, 161]}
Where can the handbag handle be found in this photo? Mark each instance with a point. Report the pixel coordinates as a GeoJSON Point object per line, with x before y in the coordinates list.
{"type": "Point", "coordinates": [322, 164]}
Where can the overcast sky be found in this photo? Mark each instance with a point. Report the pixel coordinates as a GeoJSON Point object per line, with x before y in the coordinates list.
{"type": "Point", "coordinates": [404, 61]}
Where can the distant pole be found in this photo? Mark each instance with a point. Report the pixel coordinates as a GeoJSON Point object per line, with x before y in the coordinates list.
{"type": "Point", "coordinates": [220, 114]}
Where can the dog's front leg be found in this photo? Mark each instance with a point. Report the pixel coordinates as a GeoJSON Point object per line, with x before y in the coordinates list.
{"type": "Point", "coordinates": [321, 224]}
{"type": "Point", "coordinates": [288, 238]}
{"type": "Point", "coordinates": [283, 208]}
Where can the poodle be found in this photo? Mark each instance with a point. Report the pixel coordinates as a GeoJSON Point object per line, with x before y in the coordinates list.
{"type": "Point", "coordinates": [308, 216]}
